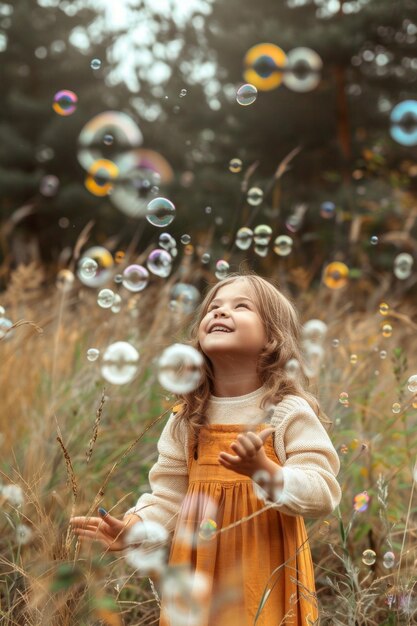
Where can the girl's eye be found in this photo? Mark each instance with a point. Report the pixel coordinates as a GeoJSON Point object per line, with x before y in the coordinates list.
{"type": "Point", "coordinates": [242, 304]}
{"type": "Point", "coordinates": [211, 308]}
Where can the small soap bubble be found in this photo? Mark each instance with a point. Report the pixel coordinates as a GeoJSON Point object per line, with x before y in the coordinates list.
{"type": "Point", "coordinates": [180, 368]}
{"type": "Point", "coordinates": [386, 330]}
{"type": "Point", "coordinates": [344, 397]}
{"type": "Point", "coordinates": [388, 560]}
{"type": "Point", "coordinates": [119, 363]}
{"type": "Point", "coordinates": [336, 275]}
{"type": "Point", "coordinates": [87, 267]}
{"type": "Point", "coordinates": [65, 102]}
{"type": "Point", "coordinates": [327, 210]}
{"type": "Point", "coordinates": [118, 279]}
{"type": "Point", "coordinates": [207, 529]}
{"type": "Point", "coordinates": [262, 235]}
{"type": "Point", "coordinates": [5, 325]}
{"type": "Point", "coordinates": [353, 359]}
{"type": "Point", "coordinates": [383, 354]}
{"type": "Point", "coordinates": [160, 212]}
{"type": "Point", "coordinates": [208, 210]}
{"type": "Point", "coordinates": [293, 368]}
{"type": "Point", "coordinates": [105, 298]}
{"type": "Point", "coordinates": [65, 280]}
{"type": "Point", "coordinates": [361, 501]}
{"type": "Point", "coordinates": [222, 269]}
{"type": "Point", "coordinates": [255, 196]}
{"type": "Point", "coordinates": [235, 166]}
{"type": "Point", "coordinates": [205, 258]}
{"type": "Point", "coordinates": [183, 93]}
{"type": "Point", "coordinates": [117, 304]}
{"type": "Point", "coordinates": [108, 139]}
{"type": "Point", "coordinates": [374, 240]}
{"type": "Point", "coordinates": [49, 185]}
{"type": "Point", "coordinates": [303, 69]}
{"type": "Point", "coordinates": [283, 245]}
{"type": "Point", "coordinates": [93, 354]}
{"type": "Point", "coordinates": [261, 250]}
{"type": "Point", "coordinates": [246, 94]}
{"type": "Point", "coordinates": [244, 238]}
{"type": "Point", "coordinates": [95, 64]}
{"type": "Point", "coordinates": [135, 278]}
{"type": "Point", "coordinates": [218, 220]}
{"type": "Point", "coordinates": [185, 239]}
{"type": "Point", "coordinates": [167, 241]}
{"type": "Point", "coordinates": [412, 383]}
{"type": "Point", "coordinates": [384, 308]}
{"type": "Point", "coordinates": [335, 343]}
{"type": "Point", "coordinates": [368, 557]}
{"type": "Point", "coordinates": [2, 310]}
{"type": "Point", "coordinates": [403, 264]}
{"type": "Point", "coordinates": [159, 262]}
{"type": "Point", "coordinates": [403, 119]}
{"type": "Point", "coordinates": [396, 408]}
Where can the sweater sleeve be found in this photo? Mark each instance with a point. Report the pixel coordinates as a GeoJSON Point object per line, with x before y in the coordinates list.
{"type": "Point", "coordinates": [309, 461]}
{"type": "Point", "coordinates": [168, 480]}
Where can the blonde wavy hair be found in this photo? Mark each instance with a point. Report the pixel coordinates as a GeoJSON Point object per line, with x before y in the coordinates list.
{"type": "Point", "coordinates": [282, 328]}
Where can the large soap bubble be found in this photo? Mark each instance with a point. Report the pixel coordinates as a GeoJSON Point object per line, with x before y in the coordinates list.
{"type": "Point", "coordinates": [404, 123]}
{"type": "Point", "coordinates": [119, 363]}
{"type": "Point", "coordinates": [102, 264]}
{"type": "Point", "coordinates": [135, 278]}
{"type": "Point", "coordinates": [264, 64]}
{"type": "Point", "coordinates": [159, 262]}
{"type": "Point", "coordinates": [244, 238]}
{"type": "Point", "coordinates": [160, 212]}
{"type": "Point", "coordinates": [180, 368]}
{"type": "Point", "coordinates": [303, 70]}
{"type": "Point", "coordinates": [184, 298]}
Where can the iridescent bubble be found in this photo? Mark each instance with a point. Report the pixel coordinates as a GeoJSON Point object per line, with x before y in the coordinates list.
{"type": "Point", "coordinates": [101, 177]}
{"type": "Point", "coordinates": [336, 275]}
{"type": "Point", "coordinates": [186, 297]}
{"type": "Point", "coordinates": [5, 325]}
{"type": "Point", "coordinates": [368, 557]}
{"type": "Point", "coordinates": [344, 398]}
{"type": "Point", "coordinates": [293, 368]}
{"type": "Point", "coordinates": [166, 241]}
{"type": "Point", "coordinates": [65, 102]}
{"type": "Point", "coordinates": [264, 64]}
{"type": "Point", "coordinates": [160, 212]}
{"type": "Point", "coordinates": [183, 93]}
{"type": "Point", "coordinates": [119, 363]}
{"type": "Point", "coordinates": [353, 359]}
{"type": "Point", "coordinates": [108, 139]}
{"type": "Point", "coordinates": [335, 343]}
{"type": "Point", "coordinates": [207, 530]}
{"type": "Point", "coordinates": [374, 240]}
{"type": "Point", "coordinates": [383, 354]}
{"type": "Point", "coordinates": [180, 368]}
{"type": "Point", "coordinates": [314, 330]}
{"type": "Point", "coordinates": [261, 250]}
{"type": "Point", "coordinates": [384, 308]}
{"type": "Point", "coordinates": [404, 123]}
{"type": "Point", "coordinates": [49, 185]}
{"type": "Point", "coordinates": [246, 94]}
{"type": "Point", "coordinates": [95, 64]}
{"type": "Point", "coordinates": [303, 69]}
{"type": "Point", "coordinates": [262, 235]}
{"type": "Point", "coordinates": [93, 354]}
{"type": "Point", "coordinates": [135, 278]}
{"type": "Point", "coordinates": [327, 210]}
{"type": "Point", "coordinates": [244, 238]}
{"type": "Point", "coordinates": [396, 408]}
{"type": "Point", "coordinates": [283, 245]}
{"type": "Point", "coordinates": [388, 560]}
{"type": "Point", "coordinates": [235, 166]}
{"type": "Point", "coordinates": [147, 547]}
{"type": "Point", "coordinates": [65, 280]}
{"type": "Point", "coordinates": [104, 260]}
{"type": "Point", "coordinates": [105, 298]}
{"type": "Point", "coordinates": [386, 330]}
{"type": "Point", "coordinates": [206, 258]}
{"type": "Point", "coordinates": [412, 383]}
{"type": "Point", "coordinates": [117, 304]}
{"type": "Point", "coordinates": [87, 268]}
{"type": "Point", "coordinates": [255, 196]}
{"type": "Point", "coordinates": [403, 265]}
{"type": "Point", "coordinates": [185, 239]}
{"type": "Point", "coordinates": [159, 262]}
{"type": "Point", "coordinates": [361, 501]}
{"type": "Point", "coordinates": [222, 269]}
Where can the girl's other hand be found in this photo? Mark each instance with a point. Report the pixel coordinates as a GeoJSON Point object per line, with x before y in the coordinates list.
{"type": "Point", "coordinates": [250, 455]}
{"type": "Point", "coordinates": [108, 530]}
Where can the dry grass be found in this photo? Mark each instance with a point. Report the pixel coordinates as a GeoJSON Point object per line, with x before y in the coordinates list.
{"type": "Point", "coordinates": [72, 442]}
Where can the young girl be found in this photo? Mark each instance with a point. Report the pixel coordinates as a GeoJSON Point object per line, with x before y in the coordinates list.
{"type": "Point", "coordinates": [247, 421]}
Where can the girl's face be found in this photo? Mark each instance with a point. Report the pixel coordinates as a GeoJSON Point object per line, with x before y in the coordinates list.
{"type": "Point", "coordinates": [232, 325]}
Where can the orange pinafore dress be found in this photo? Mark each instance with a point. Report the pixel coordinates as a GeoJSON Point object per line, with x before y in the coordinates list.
{"type": "Point", "coordinates": [259, 571]}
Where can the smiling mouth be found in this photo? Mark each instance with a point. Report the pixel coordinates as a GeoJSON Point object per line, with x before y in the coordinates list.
{"type": "Point", "coordinates": [219, 329]}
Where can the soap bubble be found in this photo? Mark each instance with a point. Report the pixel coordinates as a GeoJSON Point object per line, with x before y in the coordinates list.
{"type": "Point", "coordinates": [255, 196]}
{"type": "Point", "coordinates": [263, 66]}
{"type": "Point", "coordinates": [104, 260]}
{"type": "Point", "coordinates": [293, 368]}
{"type": "Point", "coordinates": [344, 398]}
{"type": "Point", "coordinates": [388, 560]}
{"type": "Point", "coordinates": [246, 94]}
{"type": "Point", "coordinates": [368, 557]}
{"type": "Point", "coordinates": [49, 185]}
{"type": "Point", "coordinates": [384, 308]}
{"type": "Point", "coordinates": [95, 64]}
{"type": "Point", "coordinates": [65, 102]}
{"type": "Point", "coordinates": [383, 354]}
{"type": "Point", "coordinates": [180, 368]}
{"type": "Point", "coordinates": [261, 250]}
{"type": "Point", "coordinates": [396, 408]}
{"type": "Point", "coordinates": [327, 209]}
{"type": "Point", "coordinates": [135, 278]}
{"type": "Point", "coordinates": [167, 241]}
{"type": "Point", "coordinates": [283, 245]}
{"type": "Point", "coordinates": [235, 166]}
{"type": "Point", "coordinates": [2, 310]}
{"type": "Point", "coordinates": [185, 239]}
{"type": "Point", "coordinates": [183, 93]}
{"type": "Point", "coordinates": [412, 383]}
{"type": "Point", "coordinates": [101, 176]}
{"type": "Point", "coordinates": [403, 264]}
{"type": "Point", "coordinates": [302, 70]}
{"type": "Point", "coordinates": [262, 235]}
{"type": "Point", "coordinates": [335, 343]}
{"type": "Point", "coordinates": [65, 280]}
{"type": "Point", "coordinates": [159, 262]}
{"type": "Point", "coordinates": [87, 268]}
{"type": "Point", "coordinates": [353, 359]}
{"type": "Point", "coordinates": [108, 139]}
{"type": "Point", "coordinates": [336, 275]}
{"type": "Point", "coordinates": [206, 258]}
{"type": "Point", "coordinates": [222, 269]}
{"type": "Point", "coordinates": [404, 123]}
{"type": "Point", "coordinates": [314, 355]}
{"type": "Point", "coordinates": [386, 330]}
{"type": "Point", "coordinates": [105, 298]}
{"type": "Point", "coordinates": [207, 529]}
{"type": "Point", "coordinates": [361, 501]}
{"type": "Point", "coordinates": [93, 354]}
{"type": "Point", "coordinates": [119, 363]}
{"type": "Point", "coordinates": [185, 297]}
{"type": "Point", "coordinates": [151, 554]}
{"type": "Point", "coordinates": [244, 238]}
{"type": "Point", "coordinates": [117, 304]}
{"type": "Point", "coordinates": [374, 240]}
{"type": "Point", "coordinates": [160, 212]}
{"type": "Point", "coordinates": [314, 331]}
{"type": "Point", "coordinates": [185, 594]}
{"type": "Point", "coordinates": [5, 325]}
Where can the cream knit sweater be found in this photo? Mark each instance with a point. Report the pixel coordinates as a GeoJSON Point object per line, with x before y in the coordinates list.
{"type": "Point", "coordinates": [309, 461]}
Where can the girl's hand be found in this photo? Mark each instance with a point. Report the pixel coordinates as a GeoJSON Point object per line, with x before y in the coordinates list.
{"type": "Point", "coordinates": [106, 529]}
{"type": "Point", "coordinates": [250, 453]}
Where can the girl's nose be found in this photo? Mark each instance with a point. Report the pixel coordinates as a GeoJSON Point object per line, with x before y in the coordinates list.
{"type": "Point", "coordinates": [220, 313]}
